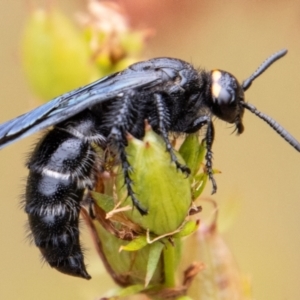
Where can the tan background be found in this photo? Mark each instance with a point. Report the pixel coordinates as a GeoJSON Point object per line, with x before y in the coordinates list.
{"type": "Point", "coordinates": [259, 168]}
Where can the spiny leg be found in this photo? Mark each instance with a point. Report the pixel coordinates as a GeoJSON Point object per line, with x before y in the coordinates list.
{"type": "Point", "coordinates": [162, 117]}
{"type": "Point", "coordinates": [118, 139]}
{"type": "Point", "coordinates": [128, 181]}
{"type": "Point", "coordinates": [209, 138]}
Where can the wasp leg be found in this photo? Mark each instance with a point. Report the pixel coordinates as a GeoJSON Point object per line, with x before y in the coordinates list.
{"type": "Point", "coordinates": [128, 182]}
{"type": "Point", "coordinates": [163, 115]}
{"type": "Point", "coordinates": [117, 138]}
{"type": "Point", "coordinates": [209, 139]}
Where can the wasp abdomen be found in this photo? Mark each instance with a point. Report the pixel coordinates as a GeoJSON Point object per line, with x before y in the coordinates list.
{"type": "Point", "coordinates": [61, 168]}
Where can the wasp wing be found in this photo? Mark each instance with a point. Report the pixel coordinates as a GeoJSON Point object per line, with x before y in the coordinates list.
{"type": "Point", "coordinates": [72, 103]}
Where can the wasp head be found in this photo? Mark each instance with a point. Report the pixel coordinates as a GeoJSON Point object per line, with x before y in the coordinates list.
{"type": "Point", "coordinates": [227, 96]}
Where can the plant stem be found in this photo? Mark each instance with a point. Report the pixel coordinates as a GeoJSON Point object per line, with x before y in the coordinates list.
{"type": "Point", "coordinates": [169, 266]}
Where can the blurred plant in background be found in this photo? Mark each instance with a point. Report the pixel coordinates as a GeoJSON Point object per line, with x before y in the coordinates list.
{"type": "Point", "coordinates": [58, 55]}
{"type": "Point", "coordinates": [220, 277]}
{"type": "Point", "coordinates": [143, 254]}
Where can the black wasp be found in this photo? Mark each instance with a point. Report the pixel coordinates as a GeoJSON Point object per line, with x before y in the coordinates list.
{"type": "Point", "coordinates": [169, 93]}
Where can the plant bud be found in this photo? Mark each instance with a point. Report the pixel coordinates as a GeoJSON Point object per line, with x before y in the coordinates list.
{"type": "Point", "coordinates": [159, 186]}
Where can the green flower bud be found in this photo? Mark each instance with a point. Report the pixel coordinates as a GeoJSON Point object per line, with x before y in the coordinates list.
{"type": "Point", "coordinates": [142, 252]}
{"type": "Point", "coordinates": [158, 185]}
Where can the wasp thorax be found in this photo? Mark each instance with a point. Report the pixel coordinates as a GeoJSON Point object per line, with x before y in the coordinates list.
{"type": "Point", "coordinates": [226, 96]}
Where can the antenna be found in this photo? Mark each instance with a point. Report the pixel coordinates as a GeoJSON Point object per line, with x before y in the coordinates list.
{"type": "Point", "coordinates": [263, 67]}
{"type": "Point", "coordinates": [276, 126]}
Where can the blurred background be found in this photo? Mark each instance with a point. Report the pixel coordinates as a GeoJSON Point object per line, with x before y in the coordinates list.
{"type": "Point", "coordinates": [259, 170]}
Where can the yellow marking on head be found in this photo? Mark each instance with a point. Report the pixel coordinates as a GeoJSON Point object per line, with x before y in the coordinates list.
{"type": "Point", "coordinates": [216, 87]}
{"type": "Point", "coordinates": [216, 75]}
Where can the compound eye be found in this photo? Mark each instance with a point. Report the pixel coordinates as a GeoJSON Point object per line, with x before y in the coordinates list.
{"type": "Point", "coordinates": [224, 87]}
{"type": "Point", "coordinates": [225, 97]}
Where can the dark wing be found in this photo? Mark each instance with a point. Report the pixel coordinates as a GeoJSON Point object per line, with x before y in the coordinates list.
{"type": "Point", "coordinates": [70, 104]}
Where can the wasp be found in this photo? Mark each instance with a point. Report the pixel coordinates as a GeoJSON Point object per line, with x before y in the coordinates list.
{"type": "Point", "coordinates": [169, 93]}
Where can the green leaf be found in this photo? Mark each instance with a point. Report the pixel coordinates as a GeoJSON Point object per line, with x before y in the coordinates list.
{"type": "Point", "coordinates": [199, 184]}
{"type": "Point", "coordinates": [136, 244]}
{"type": "Point", "coordinates": [154, 256]}
{"type": "Point", "coordinates": [104, 201]}
{"type": "Point", "coordinates": [188, 228]}
{"type": "Point", "coordinates": [193, 152]}
{"type": "Point", "coordinates": [131, 290]}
